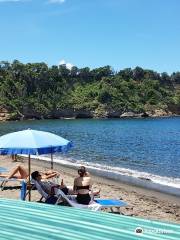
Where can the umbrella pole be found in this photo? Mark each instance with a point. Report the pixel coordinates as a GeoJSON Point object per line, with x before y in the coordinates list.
{"type": "Point", "coordinates": [29, 181]}
{"type": "Point", "coordinates": [51, 160]}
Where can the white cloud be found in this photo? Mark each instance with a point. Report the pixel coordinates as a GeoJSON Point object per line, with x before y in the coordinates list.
{"type": "Point", "coordinates": [68, 65]}
{"type": "Point", "coordinates": [57, 1]}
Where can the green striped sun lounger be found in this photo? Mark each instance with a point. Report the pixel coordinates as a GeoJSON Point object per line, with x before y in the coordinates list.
{"type": "Point", "coordinates": [27, 220]}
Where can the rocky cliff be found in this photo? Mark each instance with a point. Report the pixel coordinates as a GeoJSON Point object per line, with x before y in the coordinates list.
{"type": "Point", "coordinates": [6, 115]}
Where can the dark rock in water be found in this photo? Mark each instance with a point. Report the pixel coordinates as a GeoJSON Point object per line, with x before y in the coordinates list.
{"type": "Point", "coordinates": [143, 178]}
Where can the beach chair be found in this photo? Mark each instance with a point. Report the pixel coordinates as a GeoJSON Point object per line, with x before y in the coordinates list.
{"type": "Point", "coordinates": [95, 205]}
{"type": "Point", "coordinates": [4, 180]}
{"type": "Point", "coordinates": [23, 192]}
{"type": "Point", "coordinates": [26, 187]}
{"type": "Point", "coordinates": [3, 169]}
{"type": "Point", "coordinates": [59, 195]}
{"type": "Point", "coordinates": [111, 203]}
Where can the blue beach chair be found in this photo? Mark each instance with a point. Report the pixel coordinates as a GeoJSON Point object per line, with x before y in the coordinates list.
{"type": "Point", "coordinates": [23, 191]}
{"type": "Point", "coordinates": [111, 203]}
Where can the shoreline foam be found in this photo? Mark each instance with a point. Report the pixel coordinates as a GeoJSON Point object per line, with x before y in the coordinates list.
{"type": "Point", "coordinates": [140, 179]}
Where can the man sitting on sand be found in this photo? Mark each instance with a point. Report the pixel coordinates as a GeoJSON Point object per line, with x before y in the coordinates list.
{"type": "Point", "coordinates": [20, 172]}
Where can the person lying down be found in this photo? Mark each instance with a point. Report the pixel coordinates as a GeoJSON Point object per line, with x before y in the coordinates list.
{"type": "Point", "coordinates": [48, 189]}
{"type": "Point", "coordinates": [20, 172]}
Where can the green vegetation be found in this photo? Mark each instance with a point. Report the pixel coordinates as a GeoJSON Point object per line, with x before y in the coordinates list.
{"type": "Point", "coordinates": [36, 90]}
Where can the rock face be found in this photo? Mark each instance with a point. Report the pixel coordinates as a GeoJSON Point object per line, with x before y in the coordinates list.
{"type": "Point", "coordinates": [56, 114]}
{"type": "Point", "coordinates": [159, 113]}
{"type": "Point", "coordinates": [71, 113]}
{"type": "Point", "coordinates": [175, 109]}
{"type": "Point", "coordinates": [132, 115]}
{"type": "Point", "coordinates": [6, 115]}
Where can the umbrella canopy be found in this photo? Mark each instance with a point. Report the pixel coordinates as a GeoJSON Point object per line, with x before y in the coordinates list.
{"type": "Point", "coordinates": [28, 220]}
{"type": "Point", "coordinates": [32, 142]}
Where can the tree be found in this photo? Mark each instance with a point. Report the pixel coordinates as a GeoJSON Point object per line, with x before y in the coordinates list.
{"type": "Point", "coordinates": [138, 74]}
{"type": "Point", "coordinates": [176, 77]}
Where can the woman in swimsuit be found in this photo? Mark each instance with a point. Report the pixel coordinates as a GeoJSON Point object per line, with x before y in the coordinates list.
{"type": "Point", "coordinates": [82, 186]}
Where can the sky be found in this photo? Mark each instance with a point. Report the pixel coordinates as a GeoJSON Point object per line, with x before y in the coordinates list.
{"type": "Point", "coordinates": [92, 33]}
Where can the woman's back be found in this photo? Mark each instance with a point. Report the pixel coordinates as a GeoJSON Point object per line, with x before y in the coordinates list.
{"type": "Point", "coordinates": [83, 184]}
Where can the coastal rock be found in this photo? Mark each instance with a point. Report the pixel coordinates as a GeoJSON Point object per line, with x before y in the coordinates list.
{"type": "Point", "coordinates": [131, 115]}
{"type": "Point", "coordinates": [100, 112]}
{"type": "Point", "coordinates": [114, 114]}
{"type": "Point", "coordinates": [175, 109]}
{"type": "Point", "coordinates": [71, 113]}
{"type": "Point", "coordinates": [4, 114]}
{"type": "Point", "coordinates": [159, 113]}
{"type": "Point", "coordinates": [60, 114]}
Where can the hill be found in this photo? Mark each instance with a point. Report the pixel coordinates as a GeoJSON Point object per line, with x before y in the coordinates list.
{"type": "Point", "coordinates": [34, 90]}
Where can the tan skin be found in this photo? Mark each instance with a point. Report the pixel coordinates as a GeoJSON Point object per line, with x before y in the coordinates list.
{"type": "Point", "coordinates": [20, 172]}
{"type": "Point", "coordinates": [83, 180]}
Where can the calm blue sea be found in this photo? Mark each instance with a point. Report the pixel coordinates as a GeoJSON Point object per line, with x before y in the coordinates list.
{"type": "Point", "coordinates": [148, 148]}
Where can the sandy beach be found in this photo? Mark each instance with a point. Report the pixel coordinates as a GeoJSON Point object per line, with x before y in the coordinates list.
{"type": "Point", "coordinates": [141, 202]}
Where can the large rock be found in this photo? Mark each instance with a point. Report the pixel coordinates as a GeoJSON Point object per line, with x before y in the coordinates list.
{"type": "Point", "coordinates": [114, 114]}
{"type": "Point", "coordinates": [4, 114]}
{"type": "Point", "coordinates": [71, 113]}
{"type": "Point", "coordinates": [159, 113]}
{"type": "Point", "coordinates": [131, 115]}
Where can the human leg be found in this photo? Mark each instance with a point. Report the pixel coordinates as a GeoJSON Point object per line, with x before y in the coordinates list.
{"type": "Point", "coordinates": [50, 175]}
{"type": "Point", "coordinates": [18, 169]}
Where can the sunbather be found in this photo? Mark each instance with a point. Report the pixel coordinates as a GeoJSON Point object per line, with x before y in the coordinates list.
{"type": "Point", "coordinates": [82, 186]}
{"type": "Point", "coordinates": [47, 189]}
{"type": "Point", "coordinates": [20, 172]}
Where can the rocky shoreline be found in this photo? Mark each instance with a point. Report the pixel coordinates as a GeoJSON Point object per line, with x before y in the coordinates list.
{"type": "Point", "coordinates": [6, 115]}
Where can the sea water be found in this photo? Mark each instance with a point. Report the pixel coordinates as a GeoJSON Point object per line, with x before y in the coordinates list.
{"type": "Point", "coordinates": [141, 151]}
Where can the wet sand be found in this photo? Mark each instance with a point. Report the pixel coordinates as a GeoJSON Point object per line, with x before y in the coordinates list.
{"type": "Point", "coordinates": [141, 202]}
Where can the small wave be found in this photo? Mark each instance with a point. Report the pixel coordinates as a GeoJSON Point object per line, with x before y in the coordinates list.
{"type": "Point", "coordinates": [144, 179]}
{"type": "Point", "coordinates": [173, 182]}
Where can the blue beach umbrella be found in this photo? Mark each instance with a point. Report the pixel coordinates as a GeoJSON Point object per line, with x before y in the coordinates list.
{"type": "Point", "coordinates": [33, 142]}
